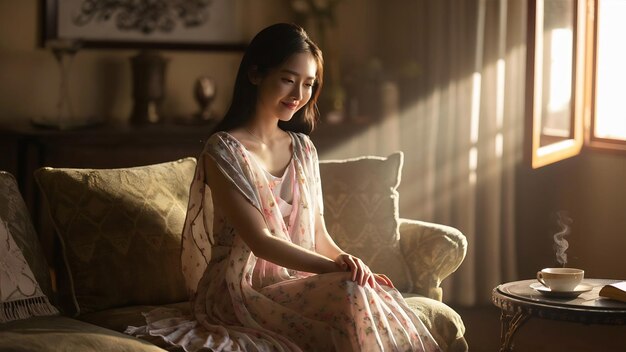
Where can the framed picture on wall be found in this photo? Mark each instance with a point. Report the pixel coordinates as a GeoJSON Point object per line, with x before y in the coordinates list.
{"type": "Point", "coordinates": [145, 24]}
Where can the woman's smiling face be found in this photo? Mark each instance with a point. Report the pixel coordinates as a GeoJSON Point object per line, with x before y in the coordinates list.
{"type": "Point", "coordinates": [286, 88]}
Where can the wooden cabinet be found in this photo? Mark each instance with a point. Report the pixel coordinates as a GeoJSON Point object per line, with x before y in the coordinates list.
{"type": "Point", "coordinates": [9, 152]}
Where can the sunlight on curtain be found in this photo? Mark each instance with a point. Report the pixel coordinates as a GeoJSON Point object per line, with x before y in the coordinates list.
{"type": "Point", "coordinates": [475, 119]}
{"type": "Point", "coordinates": [460, 125]}
{"type": "Point", "coordinates": [501, 75]}
{"type": "Point", "coordinates": [476, 84]}
{"type": "Point", "coordinates": [467, 125]}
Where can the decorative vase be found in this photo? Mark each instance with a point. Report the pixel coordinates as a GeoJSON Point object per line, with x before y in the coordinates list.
{"type": "Point", "coordinates": [204, 93]}
{"type": "Point", "coordinates": [148, 72]}
{"type": "Point", "coordinates": [64, 117]}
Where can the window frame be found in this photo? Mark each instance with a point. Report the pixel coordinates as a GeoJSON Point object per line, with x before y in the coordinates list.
{"type": "Point", "coordinates": [583, 102]}
{"type": "Point", "coordinates": [537, 154]}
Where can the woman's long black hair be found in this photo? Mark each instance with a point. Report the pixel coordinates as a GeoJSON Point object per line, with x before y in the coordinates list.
{"type": "Point", "coordinates": [269, 49]}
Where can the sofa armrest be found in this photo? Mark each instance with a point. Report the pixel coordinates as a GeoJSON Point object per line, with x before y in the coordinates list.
{"type": "Point", "coordinates": [432, 252]}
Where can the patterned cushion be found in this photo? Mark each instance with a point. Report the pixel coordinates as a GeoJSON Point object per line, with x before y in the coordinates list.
{"type": "Point", "coordinates": [13, 211]}
{"type": "Point", "coordinates": [23, 268]}
{"type": "Point", "coordinates": [120, 231]}
{"type": "Point", "coordinates": [361, 211]}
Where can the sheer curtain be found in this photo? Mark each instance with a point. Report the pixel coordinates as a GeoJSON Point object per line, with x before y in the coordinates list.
{"type": "Point", "coordinates": [454, 104]}
{"type": "Point", "coordinates": [461, 124]}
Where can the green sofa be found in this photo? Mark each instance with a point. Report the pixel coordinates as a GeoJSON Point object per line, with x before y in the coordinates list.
{"type": "Point", "coordinates": [119, 234]}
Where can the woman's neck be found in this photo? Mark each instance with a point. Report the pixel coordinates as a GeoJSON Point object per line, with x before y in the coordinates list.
{"type": "Point", "coordinates": [263, 131]}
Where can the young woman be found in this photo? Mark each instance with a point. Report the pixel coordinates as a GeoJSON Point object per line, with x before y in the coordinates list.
{"type": "Point", "coordinates": [262, 271]}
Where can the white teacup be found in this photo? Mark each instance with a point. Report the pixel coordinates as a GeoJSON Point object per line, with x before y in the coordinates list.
{"type": "Point", "coordinates": [561, 279]}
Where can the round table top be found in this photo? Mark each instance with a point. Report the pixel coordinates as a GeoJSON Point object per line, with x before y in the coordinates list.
{"type": "Point", "coordinates": [519, 297]}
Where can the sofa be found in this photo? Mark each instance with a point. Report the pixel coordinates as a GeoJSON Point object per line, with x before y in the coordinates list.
{"type": "Point", "coordinates": [118, 236]}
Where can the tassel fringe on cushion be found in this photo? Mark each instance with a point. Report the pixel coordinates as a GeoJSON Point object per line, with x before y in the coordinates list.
{"type": "Point", "coordinates": [26, 308]}
{"type": "Point", "coordinates": [20, 294]}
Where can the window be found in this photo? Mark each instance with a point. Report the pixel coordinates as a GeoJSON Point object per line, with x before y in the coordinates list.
{"type": "Point", "coordinates": [608, 74]}
{"type": "Point", "coordinates": [575, 71]}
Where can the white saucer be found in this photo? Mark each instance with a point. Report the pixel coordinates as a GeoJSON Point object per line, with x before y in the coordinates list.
{"type": "Point", "coordinates": [546, 291]}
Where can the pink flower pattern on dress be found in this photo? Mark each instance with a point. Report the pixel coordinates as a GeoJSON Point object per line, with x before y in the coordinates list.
{"type": "Point", "coordinates": [244, 303]}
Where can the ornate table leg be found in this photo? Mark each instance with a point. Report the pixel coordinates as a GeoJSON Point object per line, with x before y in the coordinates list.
{"type": "Point", "coordinates": [509, 325]}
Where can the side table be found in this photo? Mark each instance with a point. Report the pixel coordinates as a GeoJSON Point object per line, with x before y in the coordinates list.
{"type": "Point", "coordinates": [518, 302]}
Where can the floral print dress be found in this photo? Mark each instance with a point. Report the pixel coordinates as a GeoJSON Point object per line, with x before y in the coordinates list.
{"type": "Point", "coordinates": [244, 303]}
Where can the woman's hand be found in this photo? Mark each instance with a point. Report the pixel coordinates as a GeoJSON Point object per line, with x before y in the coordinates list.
{"type": "Point", "coordinates": [383, 280]}
{"type": "Point", "coordinates": [361, 274]}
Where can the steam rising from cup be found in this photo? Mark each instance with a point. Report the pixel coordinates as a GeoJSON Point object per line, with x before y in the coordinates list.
{"type": "Point", "coordinates": [560, 243]}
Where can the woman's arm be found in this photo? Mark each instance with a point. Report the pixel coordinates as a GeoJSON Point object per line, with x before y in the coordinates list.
{"type": "Point", "coordinates": [250, 225]}
{"type": "Point", "coordinates": [325, 245]}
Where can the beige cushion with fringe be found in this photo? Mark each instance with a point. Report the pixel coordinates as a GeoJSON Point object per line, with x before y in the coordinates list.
{"type": "Point", "coordinates": [21, 295]}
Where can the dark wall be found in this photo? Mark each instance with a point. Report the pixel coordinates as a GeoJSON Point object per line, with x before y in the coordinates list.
{"type": "Point", "coordinates": [591, 188]}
